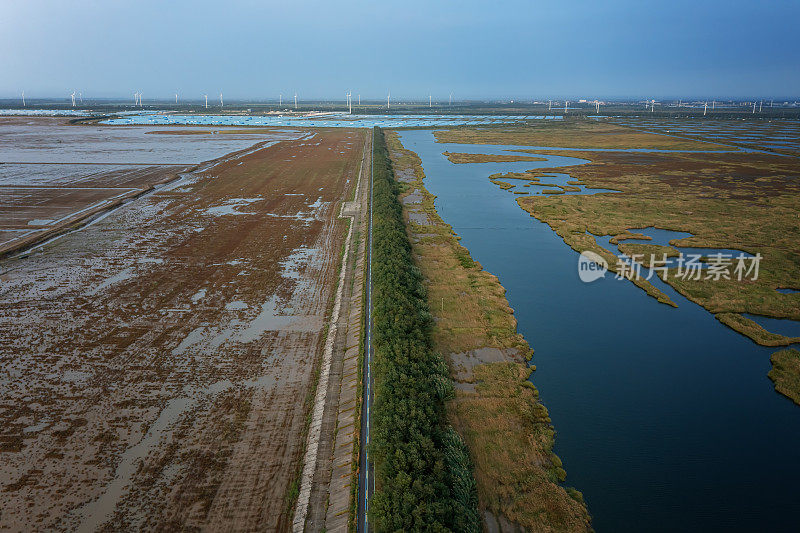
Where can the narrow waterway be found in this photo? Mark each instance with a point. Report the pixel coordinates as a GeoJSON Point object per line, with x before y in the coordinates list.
{"type": "Point", "coordinates": [665, 418]}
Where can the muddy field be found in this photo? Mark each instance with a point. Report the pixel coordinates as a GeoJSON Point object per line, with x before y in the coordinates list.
{"type": "Point", "coordinates": [54, 175]}
{"type": "Point", "coordinates": [156, 365]}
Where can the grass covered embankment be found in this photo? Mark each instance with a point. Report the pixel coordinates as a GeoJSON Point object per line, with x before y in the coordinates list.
{"type": "Point", "coordinates": [496, 408]}
{"type": "Point", "coordinates": [422, 469]}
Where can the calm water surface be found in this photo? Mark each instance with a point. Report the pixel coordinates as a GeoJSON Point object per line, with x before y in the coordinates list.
{"type": "Point", "coordinates": [665, 419]}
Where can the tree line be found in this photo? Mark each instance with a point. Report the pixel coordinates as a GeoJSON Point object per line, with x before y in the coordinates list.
{"type": "Point", "coordinates": [423, 470]}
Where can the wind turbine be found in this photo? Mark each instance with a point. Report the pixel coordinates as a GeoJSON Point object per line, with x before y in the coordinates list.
{"type": "Point", "coordinates": [713, 105]}
{"type": "Point", "coordinates": [221, 103]}
{"type": "Point", "coordinates": [705, 108]}
{"type": "Point", "coordinates": [566, 105]}
{"type": "Point", "coordinates": [176, 98]}
{"type": "Point", "coordinates": [80, 95]}
{"type": "Point", "coordinates": [295, 100]}
{"type": "Point", "coordinates": [388, 96]}
{"type": "Point", "coordinates": [23, 98]}
{"type": "Point", "coordinates": [754, 107]}
{"type": "Point", "coordinates": [549, 105]}
{"type": "Point", "coordinates": [73, 99]}
{"type": "Point", "coordinates": [761, 103]}
{"type": "Point", "coordinates": [430, 101]}
{"type": "Point", "coordinates": [359, 99]}
{"type": "Point", "coordinates": [349, 102]}
{"type": "Point", "coordinates": [135, 99]}
{"type": "Point", "coordinates": [206, 100]}
{"type": "Point", "coordinates": [597, 106]}
{"type": "Point", "coordinates": [652, 106]}
{"type": "Point", "coordinates": [451, 98]}
{"type": "Point", "coordinates": [140, 99]}
{"type": "Point", "coordinates": [280, 100]}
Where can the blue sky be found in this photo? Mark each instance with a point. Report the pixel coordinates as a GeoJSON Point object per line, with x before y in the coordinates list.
{"type": "Point", "coordinates": [475, 49]}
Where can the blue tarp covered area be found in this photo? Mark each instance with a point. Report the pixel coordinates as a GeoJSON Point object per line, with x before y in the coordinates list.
{"type": "Point", "coordinates": [323, 121]}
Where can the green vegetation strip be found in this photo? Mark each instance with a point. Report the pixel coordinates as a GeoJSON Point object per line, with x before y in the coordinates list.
{"type": "Point", "coordinates": [422, 468]}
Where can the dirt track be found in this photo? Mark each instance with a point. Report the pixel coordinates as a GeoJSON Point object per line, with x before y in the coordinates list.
{"type": "Point", "coordinates": [155, 366]}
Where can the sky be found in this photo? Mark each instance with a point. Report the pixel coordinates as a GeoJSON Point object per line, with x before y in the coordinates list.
{"type": "Point", "coordinates": [251, 49]}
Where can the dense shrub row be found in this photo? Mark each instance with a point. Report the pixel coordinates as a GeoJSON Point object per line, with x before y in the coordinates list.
{"type": "Point", "coordinates": [423, 472]}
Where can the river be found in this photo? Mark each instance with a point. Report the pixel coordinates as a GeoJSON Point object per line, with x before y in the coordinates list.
{"type": "Point", "coordinates": [665, 418]}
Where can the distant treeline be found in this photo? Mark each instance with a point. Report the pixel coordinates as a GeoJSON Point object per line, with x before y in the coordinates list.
{"type": "Point", "coordinates": [423, 471]}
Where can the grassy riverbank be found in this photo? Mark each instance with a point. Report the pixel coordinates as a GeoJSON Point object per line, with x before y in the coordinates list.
{"type": "Point", "coordinates": [495, 408]}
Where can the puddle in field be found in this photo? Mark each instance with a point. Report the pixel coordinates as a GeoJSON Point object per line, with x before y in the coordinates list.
{"type": "Point", "coordinates": [231, 207]}
{"type": "Point", "coordinates": [199, 295]}
{"type": "Point", "coordinates": [116, 278]}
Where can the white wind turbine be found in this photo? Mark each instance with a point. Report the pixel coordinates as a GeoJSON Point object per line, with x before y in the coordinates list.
{"type": "Point", "coordinates": [566, 106]}
{"type": "Point", "coordinates": [135, 99]}
{"type": "Point", "coordinates": [597, 106]}
{"type": "Point", "coordinates": [23, 98]}
{"type": "Point", "coordinates": [359, 99]}
{"type": "Point", "coordinates": [206, 100]}
{"type": "Point", "coordinates": [280, 100]}
{"type": "Point", "coordinates": [140, 98]}
{"type": "Point", "coordinates": [295, 100]}
{"type": "Point", "coordinates": [652, 106]}
{"type": "Point", "coordinates": [73, 99]}
{"type": "Point", "coordinates": [549, 105]}
{"type": "Point", "coordinates": [350, 102]}
{"type": "Point", "coordinates": [754, 107]}
{"type": "Point", "coordinates": [430, 101]}
{"type": "Point", "coordinates": [705, 108]}
{"type": "Point", "coordinates": [80, 95]}
{"type": "Point", "coordinates": [221, 103]}
{"type": "Point", "coordinates": [451, 99]}
{"type": "Point", "coordinates": [761, 103]}
{"type": "Point", "coordinates": [388, 97]}
{"type": "Point", "coordinates": [176, 98]}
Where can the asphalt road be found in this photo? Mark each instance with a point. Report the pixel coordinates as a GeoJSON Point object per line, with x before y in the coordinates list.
{"type": "Point", "coordinates": [366, 474]}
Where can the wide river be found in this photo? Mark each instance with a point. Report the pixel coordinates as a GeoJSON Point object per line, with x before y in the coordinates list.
{"type": "Point", "coordinates": [665, 418]}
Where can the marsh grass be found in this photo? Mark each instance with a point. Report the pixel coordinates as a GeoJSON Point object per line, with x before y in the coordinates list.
{"type": "Point", "coordinates": [785, 373]}
{"type": "Point", "coordinates": [458, 158]}
{"type": "Point", "coordinates": [571, 134]}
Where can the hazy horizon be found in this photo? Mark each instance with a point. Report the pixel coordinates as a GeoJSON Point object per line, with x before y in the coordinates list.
{"type": "Point", "coordinates": [254, 51]}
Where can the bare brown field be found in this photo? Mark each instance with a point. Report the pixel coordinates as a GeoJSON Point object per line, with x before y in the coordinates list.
{"type": "Point", "coordinates": [31, 213]}
{"type": "Point", "coordinates": [157, 364]}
